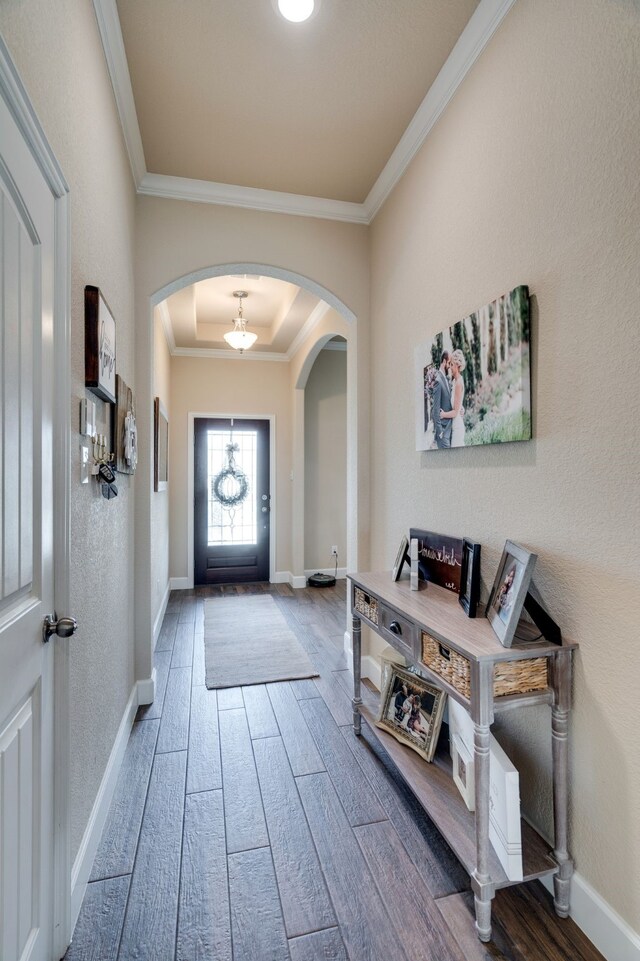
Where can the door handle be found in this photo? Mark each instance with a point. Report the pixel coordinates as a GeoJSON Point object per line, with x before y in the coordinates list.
{"type": "Point", "coordinates": [63, 626]}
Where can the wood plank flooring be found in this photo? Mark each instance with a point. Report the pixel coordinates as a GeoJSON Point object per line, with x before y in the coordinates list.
{"type": "Point", "coordinates": [250, 824]}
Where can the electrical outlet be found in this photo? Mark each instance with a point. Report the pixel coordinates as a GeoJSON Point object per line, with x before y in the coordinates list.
{"type": "Point", "coordinates": [334, 550]}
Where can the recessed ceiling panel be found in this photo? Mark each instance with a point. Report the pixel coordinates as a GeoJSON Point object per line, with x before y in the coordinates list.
{"type": "Point", "coordinates": [232, 93]}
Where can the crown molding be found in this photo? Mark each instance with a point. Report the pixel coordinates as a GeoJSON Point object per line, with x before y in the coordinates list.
{"type": "Point", "coordinates": [230, 354]}
{"type": "Point", "coordinates": [251, 198]}
{"type": "Point", "coordinates": [113, 45]}
{"type": "Point", "coordinates": [484, 22]}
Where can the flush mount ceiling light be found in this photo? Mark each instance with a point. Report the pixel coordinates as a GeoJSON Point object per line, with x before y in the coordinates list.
{"type": "Point", "coordinates": [297, 11]}
{"type": "Point", "coordinates": [240, 338]}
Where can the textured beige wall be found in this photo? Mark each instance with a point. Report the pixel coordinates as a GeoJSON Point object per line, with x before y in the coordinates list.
{"type": "Point", "coordinates": [58, 53]}
{"type": "Point", "coordinates": [531, 177]}
{"type": "Point", "coordinates": [209, 386]}
{"type": "Point", "coordinates": [325, 469]}
{"type": "Point", "coordinates": [160, 499]}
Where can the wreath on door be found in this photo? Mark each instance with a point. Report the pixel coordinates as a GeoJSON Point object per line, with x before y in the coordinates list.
{"type": "Point", "coordinates": [230, 485]}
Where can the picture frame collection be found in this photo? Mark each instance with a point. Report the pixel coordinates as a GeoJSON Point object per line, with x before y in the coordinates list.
{"type": "Point", "coordinates": [454, 563]}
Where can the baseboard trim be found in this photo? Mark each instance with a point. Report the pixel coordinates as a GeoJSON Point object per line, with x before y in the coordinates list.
{"type": "Point", "coordinates": [286, 577]}
{"type": "Point", "coordinates": [93, 831]}
{"type": "Point", "coordinates": [297, 581]}
{"type": "Point", "coordinates": [180, 583]}
{"type": "Point", "coordinates": [610, 933]}
{"type": "Point", "coordinates": [147, 689]}
{"type": "Point", "coordinates": [157, 624]}
{"type": "Point", "coordinates": [341, 574]}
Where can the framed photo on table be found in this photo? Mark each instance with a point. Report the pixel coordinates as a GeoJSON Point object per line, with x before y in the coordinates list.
{"type": "Point", "coordinates": [411, 709]}
{"type": "Point", "coordinates": [509, 591]}
{"type": "Point", "coordinates": [470, 577]}
{"type": "Point", "coordinates": [400, 559]}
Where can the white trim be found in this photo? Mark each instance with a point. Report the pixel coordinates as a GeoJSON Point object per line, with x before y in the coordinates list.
{"type": "Point", "coordinates": [371, 669]}
{"type": "Point", "coordinates": [157, 624]}
{"type": "Point", "coordinates": [93, 831]}
{"type": "Point", "coordinates": [17, 100]}
{"type": "Point", "coordinates": [179, 584]}
{"type": "Point", "coordinates": [281, 577]}
{"type": "Point", "coordinates": [342, 572]}
{"type": "Point", "coordinates": [335, 345]}
{"type": "Point", "coordinates": [486, 19]}
{"type": "Point", "coordinates": [481, 27]}
{"type": "Point", "coordinates": [297, 581]}
{"type": "Point", "coordinates": [165, 317]}
{"type": "Point", "coordinates": [230, 354]}
{"type": "Point", "coordinates": [251, 198]}
{"type": "Point", "coordinates": [310, 325]}
{"type": "Point", "coordinates": [146, 689]}
{"type": "Point", "coordinates": [113, 45]}
{"type": "Point", "coordinates": [610, 933]}
{"type": "Point", "coordinates": [191, 417]}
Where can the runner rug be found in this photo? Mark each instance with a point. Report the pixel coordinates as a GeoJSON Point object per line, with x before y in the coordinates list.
{"type": "Point", "coordinates": [248, 641]}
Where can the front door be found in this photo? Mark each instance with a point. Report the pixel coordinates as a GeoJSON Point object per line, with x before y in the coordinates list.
{"type": "Point", "coordinates": [231, 501]}
{"type": "Point", "coordinates": [27, 237]}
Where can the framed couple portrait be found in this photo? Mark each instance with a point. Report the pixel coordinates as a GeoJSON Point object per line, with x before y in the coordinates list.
{"type": "Point", "coordinates": [509, 591]}
{"type": "Point", "coordinates": [411, 709]}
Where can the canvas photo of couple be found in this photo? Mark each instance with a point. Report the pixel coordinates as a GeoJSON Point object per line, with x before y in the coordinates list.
{"type": "Point", "coordinates": [473, 381]}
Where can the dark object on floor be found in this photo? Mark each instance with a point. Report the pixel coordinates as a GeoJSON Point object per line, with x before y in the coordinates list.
{"type": "Point", "coordinates": [321, 580]}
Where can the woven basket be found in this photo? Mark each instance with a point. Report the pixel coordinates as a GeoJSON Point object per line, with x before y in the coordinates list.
{"type": "Point", "coordinates": [366, 605]}
{"type": "Point", "coordinates": [509, 677]}
{"type": "Point", "coordinates": [447, 663]}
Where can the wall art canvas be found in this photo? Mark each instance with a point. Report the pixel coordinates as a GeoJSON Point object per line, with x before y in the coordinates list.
{"type": "Point", "coordinates": [473, 382]}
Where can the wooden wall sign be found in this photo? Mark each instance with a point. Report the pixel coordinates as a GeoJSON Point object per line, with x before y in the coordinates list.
{"type": "Point", "coordinates": [99, 345]}
{"type": "Point", "coordinates": [439, 558]}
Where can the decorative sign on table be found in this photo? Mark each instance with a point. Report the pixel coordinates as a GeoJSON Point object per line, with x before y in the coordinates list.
{"type": "Point", "coordinates": [439, 558]}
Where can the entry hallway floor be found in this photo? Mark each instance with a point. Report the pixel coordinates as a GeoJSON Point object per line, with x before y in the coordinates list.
{"type": "Point", "coordinates": [250, 824]}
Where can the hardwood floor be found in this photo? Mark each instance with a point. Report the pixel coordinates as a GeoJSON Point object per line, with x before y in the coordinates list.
{"type": "Point", "coordinates": [250, 824]}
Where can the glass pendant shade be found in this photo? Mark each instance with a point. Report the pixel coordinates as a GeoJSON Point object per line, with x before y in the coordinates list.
{"type": "Point", "coordinates": [240, 338]}
{"type": "Point", "coordinates": [296, 10]}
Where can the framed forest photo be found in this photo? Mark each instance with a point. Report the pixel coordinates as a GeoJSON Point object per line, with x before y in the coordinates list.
{"type": "Point", "coordinates": [472, 380]}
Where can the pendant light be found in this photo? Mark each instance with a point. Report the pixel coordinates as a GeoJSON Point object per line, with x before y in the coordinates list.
{"type": "Point", "coordinates": [240, 338]}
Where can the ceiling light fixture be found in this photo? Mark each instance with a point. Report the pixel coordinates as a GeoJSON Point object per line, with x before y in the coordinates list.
{"type": "Point", "coordinates": [296, 10]}
{"type": "Point", "coordinates": [240, 338]}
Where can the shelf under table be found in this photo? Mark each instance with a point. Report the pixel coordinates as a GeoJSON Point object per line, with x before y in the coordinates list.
{"type": "Point", "coordinates": [434, 787]}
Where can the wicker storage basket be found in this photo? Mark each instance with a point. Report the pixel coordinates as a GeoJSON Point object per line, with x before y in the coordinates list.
{"type": "Point", "coordinates": [366, 605]}
{"type": "Point", "coordinates": [509, 677]}
{"type": "Point", "coordinates": [447, 663]}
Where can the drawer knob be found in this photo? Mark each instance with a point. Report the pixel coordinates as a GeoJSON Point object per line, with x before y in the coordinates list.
{"type": "Point", "coordinates": [395, 628]}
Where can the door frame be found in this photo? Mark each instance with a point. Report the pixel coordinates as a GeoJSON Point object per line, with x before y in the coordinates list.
{"type": "Point", "coordinates": [17, 100]}
{"type": "Point", "coordinates": [196, 415]}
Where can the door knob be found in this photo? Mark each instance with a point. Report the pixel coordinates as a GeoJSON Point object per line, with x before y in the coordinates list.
{"type": "Point", "coordinates": [63, 626]}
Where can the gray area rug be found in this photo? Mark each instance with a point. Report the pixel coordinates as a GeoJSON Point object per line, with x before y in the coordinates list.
{"type": "Point", "coordinates": [248, 641]}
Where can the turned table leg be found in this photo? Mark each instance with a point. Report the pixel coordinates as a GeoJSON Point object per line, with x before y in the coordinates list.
{"type": "Point", "coordinates": [561, 682]}
{"type": "Point", "coordinates": [356, 640]}
{"type": "Point", "coordinates": [481, 882]}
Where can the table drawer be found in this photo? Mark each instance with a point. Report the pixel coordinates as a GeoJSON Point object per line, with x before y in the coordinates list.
{"type": "Point", "coordinates": [398, 630]}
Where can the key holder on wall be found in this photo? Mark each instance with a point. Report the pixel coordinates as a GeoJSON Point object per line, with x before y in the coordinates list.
{"type": "Point", "coordinates": [102, 470]}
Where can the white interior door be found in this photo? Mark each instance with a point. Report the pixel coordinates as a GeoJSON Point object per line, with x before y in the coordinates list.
{"type": "Point", "coordinates": [27, 238]}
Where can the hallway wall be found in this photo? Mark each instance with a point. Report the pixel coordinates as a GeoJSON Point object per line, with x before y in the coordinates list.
{"type": "Point", "coordinates": [57, 50]}
{"type": "Point", "coordinates": [233, 386]}
{"type": "Point", "coordinates": [325, 469]}
{"type": "Point", "coordinates": [531, 177]}
{"type": "Point", "coordinates": [160, 499]}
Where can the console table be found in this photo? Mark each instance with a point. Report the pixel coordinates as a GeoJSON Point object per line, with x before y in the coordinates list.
{"type": "Point", "coordinates": [464, 657]}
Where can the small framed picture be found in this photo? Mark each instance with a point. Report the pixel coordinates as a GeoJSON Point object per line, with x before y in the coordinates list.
{"type": "Point", "coordinates": [401, 556]}
{"type": "Point", "coordinates": [411, 709]}
{"type": "Point", "coordinates": [161, 446]}
{"type": "Point", "coordinates": [463, 771]}
{"type": "Point", "coordinates": [99, 345]}
{"type": "Point", "coordinates": [510, 590]}
{"type": "Point", "coordinates": [470, 577]}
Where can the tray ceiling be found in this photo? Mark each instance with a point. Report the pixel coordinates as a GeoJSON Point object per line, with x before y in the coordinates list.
{"type": "Point", "coordinates": [232, 93]}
